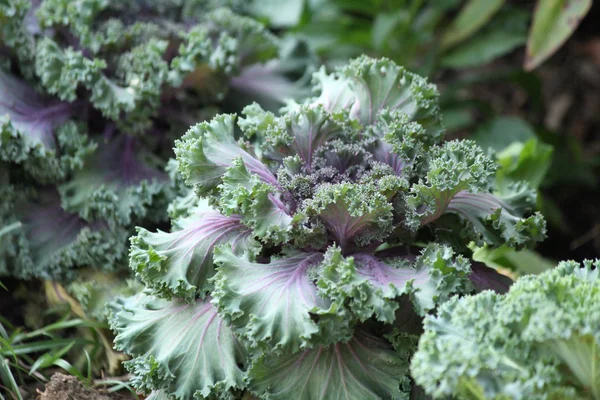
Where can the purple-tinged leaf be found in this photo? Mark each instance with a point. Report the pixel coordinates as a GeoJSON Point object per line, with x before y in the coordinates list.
{"type": "Point", "coordinates": [258, 204]}
{"type": "Point", "coordinates": [486, 278]}
{"type": "Point", "coordinates": [180, 263]}
{"type": "Point", "coordinates": [311, 128]}
{"type": "Point", "coordinates": [265, 84]}
{"type": "Point", "coordinates": [371, 286]}
{"type": "Point", "coordinates": [496, 221]}
{"type": "Point", "coordinates": [30, 113]}
{"type": "Point", "coordinates": [354, 214]}
{"type": "Point", "coordinates": [51, 242]}
{"type": "Point", "coordinates": [121, 181]}
{"type": "Point", "coordinates": [33, 132]}
{"type": "Point", "coordinates": [367, 284]}
{"type": "Point", "coordinates": [454, 167]}
{"type": "Point", "coordinates": [272, 305]}
{"type": "Point", "coordinates": [383, 152]}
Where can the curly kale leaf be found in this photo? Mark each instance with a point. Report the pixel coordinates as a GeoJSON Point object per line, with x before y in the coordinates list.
{"type": "Point", "coordinates": [538, 341]}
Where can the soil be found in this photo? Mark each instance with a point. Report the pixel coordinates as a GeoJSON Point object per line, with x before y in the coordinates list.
{"type": "Point", "coordinates": [65, 387]}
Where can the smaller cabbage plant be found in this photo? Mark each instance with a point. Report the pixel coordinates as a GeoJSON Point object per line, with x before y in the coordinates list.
{"type": "Point", "coordinates": [540, 340]}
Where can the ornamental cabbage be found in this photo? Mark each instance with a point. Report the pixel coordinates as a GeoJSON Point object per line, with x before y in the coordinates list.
{"type": "Point", "coordinates": [92, 95]}
{"type": "Point", "coordinates": [311, 242]}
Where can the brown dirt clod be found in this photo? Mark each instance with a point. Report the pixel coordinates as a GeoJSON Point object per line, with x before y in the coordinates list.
{"type": "Point", "coordinates": [65, 387]}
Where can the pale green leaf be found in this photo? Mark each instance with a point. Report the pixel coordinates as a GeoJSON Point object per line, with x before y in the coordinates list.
{"type": "Point", "coordinates": [184, 349]}
{"type": "Point", "coordinates": [524, 262]}
{"type": "Point", "coordinates": [272, 305]}
{"type": "Point", "coordinates": [553, 22]}
{"type": "Point", "coordinates": [364, 368]}
{"type": "Point", "coordinates": [280, 14]}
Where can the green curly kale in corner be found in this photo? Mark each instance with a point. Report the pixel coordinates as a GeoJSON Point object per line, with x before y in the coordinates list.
{"type": "Point", "coordinates": [93, 94]}
{"type": "Point", "coordinates": [540, 340]}
{"type": "Point", "coordinates": [301, 263]}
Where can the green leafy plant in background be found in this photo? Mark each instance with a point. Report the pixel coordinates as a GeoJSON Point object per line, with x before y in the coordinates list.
{"type": "Point", "coordinates": [309, 256]}
{"type": "Point", "coordinates": [538, 341]}
{"type": "Point", "coordinates": [92, 95]}
{"type": "Point", "coordinates": [451, 33]}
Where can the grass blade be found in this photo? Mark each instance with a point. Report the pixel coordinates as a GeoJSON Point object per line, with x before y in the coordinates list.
{"type": "Point", "coordinates": [8, 379]}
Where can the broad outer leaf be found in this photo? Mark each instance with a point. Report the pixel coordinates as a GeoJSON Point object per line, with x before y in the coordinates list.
{"type": "Point", "coordinates": [364, 368]}
{"type": "Point", "coordinates": [184, 349]}
{"type": "Point", "coordinates": [553, 22]}
{"type": "Point", "coordinates": [271, 304]}
{"type": "Point", "coordinates": [181, 262]}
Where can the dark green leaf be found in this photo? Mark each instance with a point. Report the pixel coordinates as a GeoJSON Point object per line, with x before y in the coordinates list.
{"type": "Point", "coordinates": [473, 15]}
{"type": "Point", "coordinates": [483, 49]}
